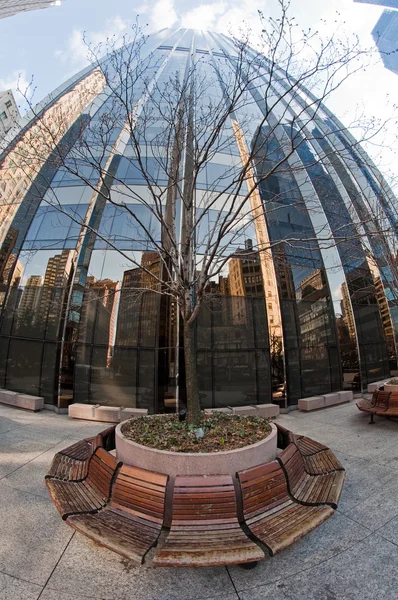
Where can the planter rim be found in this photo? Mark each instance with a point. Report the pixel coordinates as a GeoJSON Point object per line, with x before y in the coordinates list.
{"type": "Point", "coordinates": [119, 433]}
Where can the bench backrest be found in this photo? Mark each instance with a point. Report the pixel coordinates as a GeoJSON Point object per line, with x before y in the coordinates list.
{"type": "Point", "coordinates": [80, 451]}
{"type": "Point", "coordinates": [101, 470]}
{"type": "Point", "coordinates": [381, 399]}
{"type": "Point", "coordinates": [393, 401]}
{"type": "Point", "coordinates": [203, 500]}
{"type": "Point", "coordinates": [140, 491]}
{"type": "Point", "coordinates": [293, 464]}
{"type": "Point", "coordinates": [263, 488]}
{"type": "Point", "coordinates": [307, 446]}
{"type": "Point", "coordinates": [106, 439]}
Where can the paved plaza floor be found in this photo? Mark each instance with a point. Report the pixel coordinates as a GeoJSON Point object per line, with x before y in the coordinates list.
{"type": "Point", "coordinates": [353, 555]}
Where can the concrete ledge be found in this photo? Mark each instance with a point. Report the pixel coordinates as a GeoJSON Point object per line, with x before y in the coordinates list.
{"type": "Point", "coordinates": [108, 414]}
{"type": "Point", "coordinates": [8, 397]}
{"type": "Point", "coordinates": [225, 409]}
{"type": "Point", "coordinates": [82, 411]}
{"type": "Point", "coordinates": [267, 411]}
{"type": "Point", "coordinates": [131, 413]}
{"type": "Point", "coordinates": [345, 396]}
{"type": "Point", "coordinates": [312, 403]}
{"type": "Point", "coordinates": [27, 402]}
{"type": "Point", "coordinates": [24, 401]}
{"type": "Point", "coordinates": [373, 386]}
{"type": "Point", "coordinates": [331, 399]}
{"type": "Point", "coordinates": [244, 411]}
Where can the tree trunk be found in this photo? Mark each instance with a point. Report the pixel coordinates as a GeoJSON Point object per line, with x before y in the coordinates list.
{"type": "Point", "coordinates": [191, 375]}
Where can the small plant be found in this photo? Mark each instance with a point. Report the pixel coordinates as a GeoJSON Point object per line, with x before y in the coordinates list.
{"type": "Point", "coordinates": [392, 381]}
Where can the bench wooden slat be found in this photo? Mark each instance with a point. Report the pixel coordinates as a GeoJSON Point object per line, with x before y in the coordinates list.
{"type": "Point", "coordinates": [279, 521]}
{"type": "Point", "coordinates": [205, 530]}
{"type": "Point", "coordinates": [130, 524]}
{"type": "Point", "coordinates": [311, 488]}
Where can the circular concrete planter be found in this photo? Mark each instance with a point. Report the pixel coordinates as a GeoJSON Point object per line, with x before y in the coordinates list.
{"type": "Point", "coordinates": [194, 463]}
{"type": "Point", "coordinates": [390, 387]}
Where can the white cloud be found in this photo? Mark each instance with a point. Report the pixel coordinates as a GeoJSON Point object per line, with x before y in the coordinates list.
{"type": "Point", "coordinates": [76, 53]}
{"type": "Point", "coordinates": [204, 16]}
{"type": "Point", "coordinates": [162, 14]}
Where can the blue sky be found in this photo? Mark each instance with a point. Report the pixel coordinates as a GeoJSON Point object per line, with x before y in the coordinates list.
{"type": "Point", "coordinates": [47, 44]}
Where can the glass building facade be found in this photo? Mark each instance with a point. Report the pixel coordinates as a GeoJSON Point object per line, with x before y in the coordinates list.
{"type": "Point", "coordinates": [286, 316]}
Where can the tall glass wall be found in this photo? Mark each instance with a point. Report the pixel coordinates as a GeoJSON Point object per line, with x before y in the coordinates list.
{"type": "Point", "coordinates": [83, 315]}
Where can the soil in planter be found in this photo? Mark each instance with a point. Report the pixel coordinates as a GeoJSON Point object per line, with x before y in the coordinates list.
{"type": "Point", "coordinates": [221, 432]}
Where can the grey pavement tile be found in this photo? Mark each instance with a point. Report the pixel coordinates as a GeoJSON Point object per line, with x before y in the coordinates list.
{"type": "Point", "coordinates": [15, 589]}
{"type": "Point", "coordinates": [108, 576]}
{"type": "Point", "coordinates": [32, 535]}
{"type": "Point", "coordinates": [363, 478]}
{"type": "Point", "coordinates": [389, 531]}
{"type": "Point", "coordinates": [378, 508]}
{"type": "Point", "coordinates": [30, 477]}
{"type": "Point", "coordinates": [364, 572]}
{"type": "Point", "coordinates": [333, 536]}
{"type": "Point", "coordinates": [273, 591]}
{"type": "Point", "coordinates": [49, 594]}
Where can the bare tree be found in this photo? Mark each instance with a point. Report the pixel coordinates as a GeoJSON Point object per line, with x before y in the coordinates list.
{"type": "Point", "coordinates": [166, 127]}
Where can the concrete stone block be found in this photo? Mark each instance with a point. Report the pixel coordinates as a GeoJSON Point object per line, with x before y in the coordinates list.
{"type": "Point", "coordinates": [82, 411]}
{"type": "Point", "coordinates": [345, 396]}
{"type": "Point", "coordinates": [8, 397]}
{"type": "Point", "coordinates": [107, 414]}
{"type": "Point", "coordinates": [131, 413]}
{"type": "Point", "coordinates": [267, 411]}
{"type": "Point", "coordinates": [28, 402]}
{"type": "Point", "coordinates": [331, 399]}
{"type": "Point", "coordinates": [312, 403]}
{"type": "Point", "coordinates": [373, 386]}
{"type": "Point", "coordinates": [244, 411]}
{"type": "Point", "coordinates": [225, 409]}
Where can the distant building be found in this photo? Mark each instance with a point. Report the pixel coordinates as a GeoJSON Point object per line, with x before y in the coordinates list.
{"type": "Point", "coordinates": [385, 35]}
{"type": "Point", "coordinates": [8, 8]}
{"type": "Point", "coordinates": [9, 112]}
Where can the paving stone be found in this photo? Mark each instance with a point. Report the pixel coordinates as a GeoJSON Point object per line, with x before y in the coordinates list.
{"type": "Point", "coordinates": [32, 535]}
{"type": "Point", "coordinates": [85, 566]}
{"type": "Point", "coordinates": [30, 477]}
{"type": "Point", "coordinates": [333, 536]}
{"type": "Point", "coordinates": [49, 594]}
{"type": "Point", "coordinates": [363, 572]}
{"type": "Point", "coordinates": [12, 588]}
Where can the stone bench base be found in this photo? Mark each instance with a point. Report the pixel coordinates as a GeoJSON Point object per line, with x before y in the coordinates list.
{"type": "Point", "coordinates": [24, 401]}
{"type": "Point", "coordinates": [267, 411]}
{"type": "Point", "coordinates": [317, 402]}
{"type": "Point", "coordinates": [105, 414]}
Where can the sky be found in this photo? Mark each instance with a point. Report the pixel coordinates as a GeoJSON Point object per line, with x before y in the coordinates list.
{"type": "Point", "coordinates": [47, 45]}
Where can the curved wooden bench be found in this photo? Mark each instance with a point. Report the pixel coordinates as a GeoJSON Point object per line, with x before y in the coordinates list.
{"type": "Point", "coordinates": [317, 458]}
{"type": "Point", "coordinates": [205, 530]}
{"type": "Point", "coordinates": [382, 403]}
{"type": "Point", "coordinates": [71, 464]}
{"type": "Point", "coordinates": [122, 507]}
{"type": "Point", "coordinates": [131, 523]}
{"type": "Point", "coordinates": [270, 513]}
{"type": "Point", "coordinates": [309, 488]}
{"type": "Point", "coordinates": [90, 494]}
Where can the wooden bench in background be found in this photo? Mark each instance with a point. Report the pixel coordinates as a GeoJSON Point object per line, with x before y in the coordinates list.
{"type": "Point", "coordinates": [382, 403]}
{"type": "Point", "coordinates": [205, 530]}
